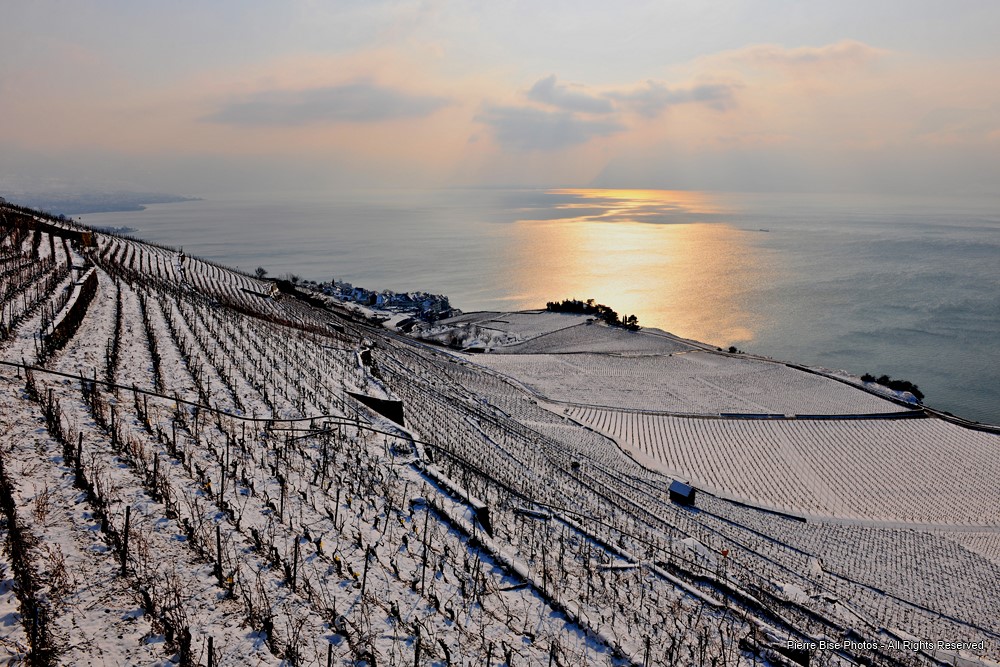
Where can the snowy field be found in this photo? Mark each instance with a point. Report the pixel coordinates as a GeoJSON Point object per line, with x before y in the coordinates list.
{"type": "Point", "coordinates": [185, 478]}
{"type": "Point", "coordinates": [538, 332]}
{"type": "Point", "coordinates": [905, 470]}
{"type": "Point", "coordinates": [697, 382]}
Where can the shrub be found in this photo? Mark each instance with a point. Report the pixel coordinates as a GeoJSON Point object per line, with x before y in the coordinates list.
{"type": "Point", "coordinates": [895, 385]}
{"type": "Point", "coordinates": [590, 307]}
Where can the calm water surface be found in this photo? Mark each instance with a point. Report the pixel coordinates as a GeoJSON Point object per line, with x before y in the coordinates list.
{"type": "Point", "coordinates": [908, 287]}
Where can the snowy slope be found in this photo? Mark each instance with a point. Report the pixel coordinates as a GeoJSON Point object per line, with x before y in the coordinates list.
{"type": "Point", "coordinates": [189, 473]}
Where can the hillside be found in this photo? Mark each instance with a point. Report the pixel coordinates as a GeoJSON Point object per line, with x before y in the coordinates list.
{"type": "Point", "coordinates": [198, 469]}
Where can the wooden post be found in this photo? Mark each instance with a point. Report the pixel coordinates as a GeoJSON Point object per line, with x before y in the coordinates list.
{"type": "Point", "coordinates": [336, 509]}
{"type": "Point", "coordinates": [423, 567]}
{"type": "Point", "coordinates": [364, 577]}
{"type": "Point", "coordinates": [34, 629]}
{"type": "Point", "coordinates": [416, 650]}
{"type": "Point", "coordinates": [281, 509]}
{"type": "Point", "coordinates": [128, 520]}
{"type": "Point", "coordinates": [218, 554]}
{"type": "Point", "coordinates": [211, 652]}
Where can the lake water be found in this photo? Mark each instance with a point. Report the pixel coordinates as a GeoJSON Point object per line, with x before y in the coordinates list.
{"type": "Point", "coordinates": [908, 287]}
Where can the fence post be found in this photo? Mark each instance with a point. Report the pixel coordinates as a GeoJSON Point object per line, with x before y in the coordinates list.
{"type": "Point", "coordinates": [364, 577]}
{"type": "Point", "coordinates": [423, 566]}
{"type": "Point", "coordinates": [128, 520]}
{"type": "Point", "coordinates": [218, 554]}
{"type": "Point", "coordinates": [79, 459]}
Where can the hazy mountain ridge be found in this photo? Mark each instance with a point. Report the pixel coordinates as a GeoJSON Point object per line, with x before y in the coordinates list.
{"type": "Point", "coordinates": [71, 204]}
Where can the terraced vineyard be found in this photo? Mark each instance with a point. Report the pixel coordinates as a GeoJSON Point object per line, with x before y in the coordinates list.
{"type": "Point", "coordinates": [695, 382]}
{"type": "Point", "coordinates": [888, 469]}
{"type": "Point", "coordinates": [188, 476]}
{"type": "Point", "coordinates": [540, 332]}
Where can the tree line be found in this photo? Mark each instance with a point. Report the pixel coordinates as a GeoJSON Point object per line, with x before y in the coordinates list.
{"type": "Point", "coordinates": [896, 385]}
{"type": "Point", "coordinates": [590, 307]}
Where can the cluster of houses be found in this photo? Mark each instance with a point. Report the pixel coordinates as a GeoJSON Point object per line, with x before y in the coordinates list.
{"type": "Point", "coordinates": [423, 305]}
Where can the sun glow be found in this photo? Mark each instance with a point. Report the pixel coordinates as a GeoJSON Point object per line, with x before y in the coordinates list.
{"type": "Point", "coordinates": [693, 266]}
{"type": "Point", "coordinates": [639, 205]}
{"type": "Point", "coordinates": [693, 200]}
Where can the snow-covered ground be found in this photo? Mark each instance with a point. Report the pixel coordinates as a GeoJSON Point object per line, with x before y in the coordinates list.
{"type": "Point", "coordinates": [277, 520]}
{"type": "Point", "coordinates": [538, 332]}
{"type": "Point", "coordinates": [696, 382]}
{"type": "Point", "coordinates": [909, 470]}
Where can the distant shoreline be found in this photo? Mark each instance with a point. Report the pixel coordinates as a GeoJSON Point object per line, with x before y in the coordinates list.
{"type": "Point", "coordinates": [104, 202]}
{"type": "Point", "coordinates": [470, 248]}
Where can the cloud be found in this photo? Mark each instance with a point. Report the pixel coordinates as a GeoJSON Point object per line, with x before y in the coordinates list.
{"type": "Point", "coordinates": [526, 128]}
{"type": "Point", "coordinates": [955, 125]}
{"type": "Point", "coordinates": [655, 97]}
{"type": "Point", "coordinates": [549, 91]}
{"type": "Point", "coordinates": [359, 102]}
{"type": "Point", "coordinates": [580, 116]}
{"type": "Point", "coordinates": [844, 52]}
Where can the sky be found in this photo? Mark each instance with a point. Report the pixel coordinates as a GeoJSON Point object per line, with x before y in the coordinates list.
{"type": "Point", "coordinates": [195, 98]}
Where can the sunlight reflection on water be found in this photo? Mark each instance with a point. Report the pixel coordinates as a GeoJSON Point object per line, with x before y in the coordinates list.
{"type": "Point", "coordinates": [681, 275]}
{"type": "Point", "coordinates": [903, 286]}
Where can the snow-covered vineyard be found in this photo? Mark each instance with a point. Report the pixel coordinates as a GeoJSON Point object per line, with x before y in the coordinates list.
{"type": "Point", "coordinates": [196, 468]}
